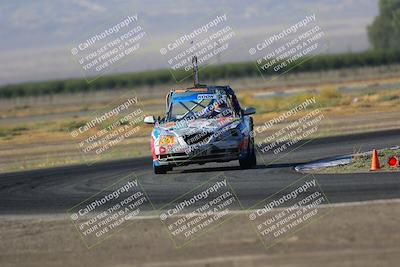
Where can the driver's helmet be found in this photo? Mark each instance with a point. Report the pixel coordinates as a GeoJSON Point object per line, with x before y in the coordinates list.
{"type": "Point", "coordinates": [221, 101]}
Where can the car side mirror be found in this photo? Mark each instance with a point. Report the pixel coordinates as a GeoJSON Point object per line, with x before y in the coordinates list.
{"type": "Point", "coordinates": [249, 111]}
{"type": "Point", "coordinates": [149, 120]}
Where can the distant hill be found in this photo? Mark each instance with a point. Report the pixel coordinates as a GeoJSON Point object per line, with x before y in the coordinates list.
{"type": "Point", "coordinates": [36, 35]}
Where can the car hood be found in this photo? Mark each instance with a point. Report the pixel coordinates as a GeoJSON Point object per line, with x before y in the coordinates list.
{"type": "Point", "coordinates": [181, 128]}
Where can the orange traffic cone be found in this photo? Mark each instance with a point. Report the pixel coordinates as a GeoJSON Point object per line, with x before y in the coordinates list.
{"type": "Point", "coordinates": [375, 161]}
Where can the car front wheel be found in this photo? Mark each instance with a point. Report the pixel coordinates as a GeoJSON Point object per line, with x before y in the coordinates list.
{"type": "Point", "coordinates": [249, 161]}
{"type": "Point", "coordinates": [160, 169]}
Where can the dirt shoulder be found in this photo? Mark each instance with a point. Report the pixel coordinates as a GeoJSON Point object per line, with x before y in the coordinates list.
{"type": "Point", "coordinates": [355, 235]}
{"type": "Point", "coordinates": [361, 163]}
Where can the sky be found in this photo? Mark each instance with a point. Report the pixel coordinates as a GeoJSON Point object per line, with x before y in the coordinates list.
{"type": "Point", "coordinates": [37, 36]}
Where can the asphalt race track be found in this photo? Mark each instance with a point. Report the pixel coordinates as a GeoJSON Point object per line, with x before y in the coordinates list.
{"type": "Point", "coordinates": [55, 190]}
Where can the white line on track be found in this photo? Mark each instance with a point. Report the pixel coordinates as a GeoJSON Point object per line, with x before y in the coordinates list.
{"type": "Point", "coordinates": [62, 216]}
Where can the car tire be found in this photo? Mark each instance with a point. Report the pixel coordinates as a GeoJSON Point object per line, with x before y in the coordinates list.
{"type": "Point", "coordinates": [250, 160]}
{"type": "Point", "coordinates": [160, 169]}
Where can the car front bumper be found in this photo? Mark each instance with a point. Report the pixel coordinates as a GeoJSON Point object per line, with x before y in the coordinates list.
{"type": "Point", "coordinates": [222, 151]}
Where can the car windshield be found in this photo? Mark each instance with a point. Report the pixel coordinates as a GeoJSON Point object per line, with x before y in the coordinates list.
{"type": "Point", "coordinates": [194, 105]}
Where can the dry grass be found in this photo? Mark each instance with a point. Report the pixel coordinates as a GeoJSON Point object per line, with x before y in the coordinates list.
{"type": "Point", "coordinates": [362, 163]}
{"type": "Point", "coordinates": [38, 133]}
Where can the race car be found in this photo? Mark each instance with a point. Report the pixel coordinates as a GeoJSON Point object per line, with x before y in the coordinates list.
{"type": "Point", "coordinates": [202, 124]}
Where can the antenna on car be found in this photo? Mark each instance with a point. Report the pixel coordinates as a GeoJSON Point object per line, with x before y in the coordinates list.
{"type": "Point", "coordinates": [195, 72]}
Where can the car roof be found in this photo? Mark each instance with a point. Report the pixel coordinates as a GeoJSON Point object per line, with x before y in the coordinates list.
{"type": "Point", "coordinates": [202, 89]}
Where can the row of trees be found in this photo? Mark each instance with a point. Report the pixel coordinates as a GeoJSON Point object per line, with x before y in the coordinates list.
{"type": "Point", "coordinates": [384, 32]}
{"type": "Point", "coordinates": [210, 73]}
{"type": "Point", "coordinates": [384, 35]}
